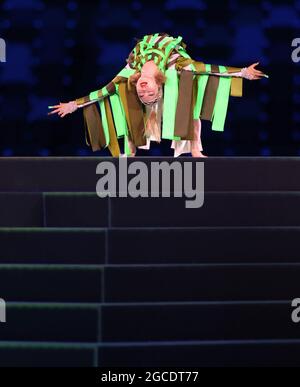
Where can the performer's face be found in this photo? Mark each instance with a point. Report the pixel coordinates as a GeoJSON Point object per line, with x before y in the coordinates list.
{"type": "Point", "coordinates": [147, 88]}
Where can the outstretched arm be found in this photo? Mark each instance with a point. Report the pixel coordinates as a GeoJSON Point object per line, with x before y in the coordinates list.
{"type": "Point", "coordinates": [235, 74]}
{"type": "Point", "coordinates": [250, 73]}
{"type": "Point", "coordinates": [64, 109]}
{"type": "Point", "coordinates": [199, 68]}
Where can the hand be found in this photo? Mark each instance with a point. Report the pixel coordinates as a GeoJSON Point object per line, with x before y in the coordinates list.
{"type": "Point", "coordinates": [252, 73]}
{"type": "Point", "coordinates": [64, 108]}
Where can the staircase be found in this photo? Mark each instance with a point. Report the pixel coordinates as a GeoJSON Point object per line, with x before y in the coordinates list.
{"type": "Point", "coordinates": [146, 282]}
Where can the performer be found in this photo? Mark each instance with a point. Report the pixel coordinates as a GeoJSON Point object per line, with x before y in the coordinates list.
{"type": "Point", "coordinates": [162, 93]}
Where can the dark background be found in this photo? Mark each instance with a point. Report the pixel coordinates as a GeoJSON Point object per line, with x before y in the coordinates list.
{"type": "Point", "coordinates": [60, 50]}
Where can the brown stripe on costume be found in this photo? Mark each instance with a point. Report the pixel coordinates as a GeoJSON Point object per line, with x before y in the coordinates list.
{"type": "Point", "coordinates": [87, 137]}
{"type": "Point", "coordinates": [215, 69]}
{"type": "Point", "coordinates": [169, 56]}
{"type": "Point", "coordinates": [94, 128]}
{"type": "Point", "coordinates": [210, 98]}
{"type": "Point", "coordinates": [82, 101]}
{"type": "Point", "coordinates": [130, 59]}
{"type": "Point", "coordinates": [200, 67]}
{"type": "Point", "coordinates": [184, 106]}
{"type": "Point", "coordinates": [231, 70]}
{"type": "Point", "coordinates": [183, 62]}
{"type": "Point", "coordinates": [138, 49]}
{"type": "Point", "coordinates": [113, 140]}
{"type": "Point", "coordinates": [134, 114]}
{"type": "Point", "coordinates": [111, 88]}
{"type": "Point", "coordinates": [153, 56]}
{"type": "Point", "coordinates": [184, 45]}
{"type": "Point", "coordinates": [160, 59]}
{"type": "Point", "coordinates": [159, 40]}
{"type": "Point", "coordinates": [118, 79]}
{"type": "Point", "coordinates": [100, 94]}
{"type": "Point", "coordinates": [163, 34]}
{"type": "Point", "coordinates": [173, 62]}
{"type": "Point", "coordinates": [165, 45]}
{"type": "Point", "coordinates": [191, 133]}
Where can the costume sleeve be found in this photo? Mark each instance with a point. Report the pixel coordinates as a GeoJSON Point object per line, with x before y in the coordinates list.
{"type": "Point", "coordinates": [106, 91]}
{"type": "Point", "coordinates": [234, 73]}
{"type": "Point", "coordinates": [97, 95]}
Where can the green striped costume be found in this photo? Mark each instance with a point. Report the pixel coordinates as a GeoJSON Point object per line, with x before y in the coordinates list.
{"type": "Point", "coordinates": [187, 97]}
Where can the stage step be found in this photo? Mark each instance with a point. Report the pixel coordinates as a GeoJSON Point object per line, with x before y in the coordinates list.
{"type": "Point", "coordinates": [220, 209]}
{"type": "Point", "coordinates": [234, 209]}
{"type": "Point", "coordinates": [141, 322]}
{"type": "Point", "coordinates": [76, 174]}
{"type": "Point", "coordinates": [42, 245]}
{"type": "Point", "coordinates": [52, 283]}
{"type": "Point", "coordinates": [51, 322]}
{"type": "Point", "coordinates": [266, 353]}
{"type": "Point", "coordinates": [21, 209]}
{"type": "Point", "coordinates": [150, 246]}
{"type": "Point", "coordinates": [204, 245]}
{"type": "Point", "coordinates": [76, 210]}
{"type": "Point", "coordinates": [198, 321]}
{"type": "Point", "coordinates": [29, 354]}
{"type": "Point", "coordinates": [134, 284]}
{"type": "Point", "coordinates": [273, 353]}
{"type": "Point", "coordinates": [236, 282]}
